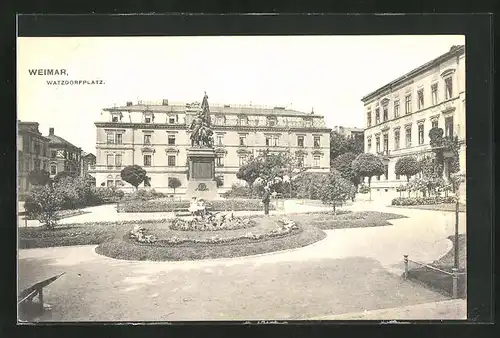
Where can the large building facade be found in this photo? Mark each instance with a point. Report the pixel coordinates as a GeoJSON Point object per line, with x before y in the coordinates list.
{"type": "Point", "coordinates": [399, 115]}
{"type": "Point", "coordinates": [64, 156]}
{"type": "Point", "coordinates": [156, 137]}
{"type": "Point", "coordinates": [33, 153]}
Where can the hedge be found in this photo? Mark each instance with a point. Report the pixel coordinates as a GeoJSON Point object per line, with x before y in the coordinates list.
{"type": "Point", "coordinates": [423, 200]}
{"type": "Point", "coordinates": [170, 205]}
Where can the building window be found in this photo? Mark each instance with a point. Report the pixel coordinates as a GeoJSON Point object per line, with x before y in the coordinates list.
{"type": "Point", "coordinates": [118, 138]}
{"type": "Point", "coordinates": [408, 104]}
{"type": "Point", "coordinates": [109, 183]}
{"type": "Point", "coordinates": [242, 140]}
{"type": "Point", "coordinates": [241, 161]}
{"type": "Point", "coordinates": [171, 161]}
{"type": "Point", "coordinates": [396, 139]}
{"type": "Point", "coordinates": [396, 108]}
{"type": "Point", "coordinates": [386, 171]}
{"type": "Point", "coordinates": [377, 116]}
{"type": "Point", "coordinates": [110, 138]}
{"type": "Point", "coordinates": [398, 176]}
{"type": "Point", "coordinates": [316, 141]}
{"type": "Point", "coordinates": [114, 119]}
{"type": "Point", "coordinates": [300, 141]}
{"type": "Point", "coordinates": [219, 139]}
{"type": "Point", "coordinates": [316, 161]}
{"type": "Point", "coordinates": [110, 160]}
{"type": "Point", "coordinates": [435, 123]}
{"type": "Point", "coordinates": [271, 121]}
{"type": "Point", "coordinates": [53, 169]}
{"type": "Point", "coordinates": [37, 163]}
{"type": "Point", "coordinates": [219, 161]}
{"type": "Point", "coordinates": [147, 160]}
{"type": "Point", "coordinates": [369, 145]}
{"type": "Point", "coordinates": [171, 140]}
{"type": "Point", "coordinates": [53, 154]}
{"type": "Point", "coordinates": [377, 144]}
{"type": "Point", "coordinates": [268, 141]}
{"type": "Point", "coordinates": [118, 160]}
{"type": "Point", "coordinates": [171, 120]}
{"type": "Point", "coordinates": [147, 139]}
{"type": "Point", "coordinates": [408, 137]}
{"type": "Point", "coordinates": [378, 178]}
{"type": "Point", "coordinates": [276, 141]}
{"type": "Point", "coordinates": [369, 119]}
{"type": "Point", "coordinates": [386, 143]}
{"type": "Point", "coordinates": [147, 119]}
{"type": "Point", "coordinates": [448, 126]}
{"type": "Point", "coordinates": [420, 134]}
{"type": "Point", "coordinates": [420, 94]}
{"type": "Point", "coordinates": [243, 120]}
{"type": "Point", "coordinates": [434, 93]}
{"type": "Point", "coordinates": [448, 83]}
{"type": "Point", "coordinates": [385, 113]}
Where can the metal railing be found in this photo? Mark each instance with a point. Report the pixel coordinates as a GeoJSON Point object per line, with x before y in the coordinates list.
{"type": "Point", "coordinates": [454, 273]}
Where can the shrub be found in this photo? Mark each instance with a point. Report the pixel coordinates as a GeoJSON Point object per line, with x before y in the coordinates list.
{"type": "Point", "coordinates": [309, 185]}
{"type": "Point", "coordinates": [171, 205]}
{"type": "Point", "coordinates": [423, 200]}
{"type": "Point", "coordinates": [238, 191]}
{"type": "Point", "coordinates": [364, 189]}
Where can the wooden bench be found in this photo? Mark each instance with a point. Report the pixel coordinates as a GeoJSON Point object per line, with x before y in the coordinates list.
{"type": "Point", "coordinates": [25, 299]}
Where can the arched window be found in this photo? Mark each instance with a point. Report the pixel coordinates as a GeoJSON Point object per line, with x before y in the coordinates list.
{"type": "Point", "coordinates": [53, 168]}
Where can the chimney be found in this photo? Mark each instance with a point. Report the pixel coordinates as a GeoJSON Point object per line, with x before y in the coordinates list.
{"type": "Point", "coordinates": [129, 103]}
{"type": "Point", "coordinates": [51, 131]}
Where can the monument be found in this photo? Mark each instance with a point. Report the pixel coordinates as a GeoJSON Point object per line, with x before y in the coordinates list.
{"type": "Point", "coordinates": [201, 156]}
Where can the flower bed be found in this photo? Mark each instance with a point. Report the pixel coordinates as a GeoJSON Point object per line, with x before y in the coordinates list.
{"type": "Point", "coordinates": [283, 227]}
{"type": "Point", "coordinates": [211, 223]}
{"type": "Point", "coordinates": [170, 206]}
{"type": "Point", "coordinates": [423, 200]}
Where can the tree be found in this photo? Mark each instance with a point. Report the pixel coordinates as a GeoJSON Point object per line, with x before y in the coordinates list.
{"type": "Point", "coordinates": [309, 185]}
{"type": "Point", "coordinates": [368, 165]}
{"type": "Point", "coordinates": [268, 167]}
{"type": "Point", "coordinates": [63, 174]}
{"type": "Point", "coordinates": [341, 144]}
{"type": "Point", "coordinates": [343, 164]}
{"type": "Point", "coordinates": [43, 203]}
{"type": "Point", "coordinates": [407, 166]}
{"type": "Point", "coordinates": [174, 183]}
{"type": "Point", "coordinates": [134, 175]}
{"type": "Point", "coordinates": [335, 191]}
{"type": "Point", "coordinates": [39, 177]}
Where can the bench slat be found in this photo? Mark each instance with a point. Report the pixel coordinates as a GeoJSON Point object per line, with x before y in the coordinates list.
{"type": "Point", "coordinates": [39, 285]}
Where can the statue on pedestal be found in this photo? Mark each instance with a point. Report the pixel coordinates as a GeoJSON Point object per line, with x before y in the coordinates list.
{"type": "Point", "coordinates": [201, 133]}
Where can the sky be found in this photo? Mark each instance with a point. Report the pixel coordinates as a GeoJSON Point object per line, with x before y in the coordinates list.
{"type": "Point", "coordinates": [329, 74]}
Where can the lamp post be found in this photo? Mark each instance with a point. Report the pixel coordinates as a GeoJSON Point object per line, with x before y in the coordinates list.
{"type": "Point", "coordinates": [447, 155]}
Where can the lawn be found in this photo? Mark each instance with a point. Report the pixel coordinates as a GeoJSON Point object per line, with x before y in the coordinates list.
{"type": "Point", "coordinates": [442, 282]}
{"type": "Point", "coordinates": [435, 207]}
{"type": "Point", "coordinates": [345, 220]}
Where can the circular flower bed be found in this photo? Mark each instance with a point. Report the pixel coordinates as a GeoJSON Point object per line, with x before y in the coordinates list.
{"type": "Point", "coordinates": [284, 226]}
{"type": "Point", "coordinates": [212, 222]}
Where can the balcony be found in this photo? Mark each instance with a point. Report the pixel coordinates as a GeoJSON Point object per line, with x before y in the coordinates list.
{"type": "Point", "coordinates": [384, 153]}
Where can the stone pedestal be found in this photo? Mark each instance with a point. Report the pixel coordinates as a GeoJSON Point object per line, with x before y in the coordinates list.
{"type": "Point", "coordinates": [201, 162]}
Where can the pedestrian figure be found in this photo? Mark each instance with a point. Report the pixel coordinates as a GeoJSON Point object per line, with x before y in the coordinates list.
{"type": "Point", "coordinates": [266, 198]}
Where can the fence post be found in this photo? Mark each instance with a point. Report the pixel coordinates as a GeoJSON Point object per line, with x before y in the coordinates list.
{"type": "Point", "coordinates": [455, 282]}
{"type": "Point", "coordinates": [406, 266]}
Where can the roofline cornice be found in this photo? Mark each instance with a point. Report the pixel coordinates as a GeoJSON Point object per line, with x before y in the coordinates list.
{"type": "Point", "coordinates": [165, 126]}
{"type": "Point", "coordinates": [408, 76]}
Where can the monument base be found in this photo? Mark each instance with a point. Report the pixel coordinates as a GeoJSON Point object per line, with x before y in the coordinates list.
{"type": "Point", "coordinates": [206, 190]}
{"type": "Point", "coordinates": [201, 173]}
